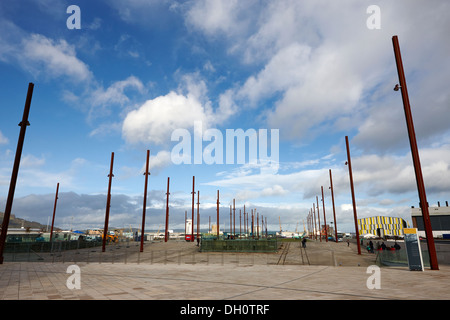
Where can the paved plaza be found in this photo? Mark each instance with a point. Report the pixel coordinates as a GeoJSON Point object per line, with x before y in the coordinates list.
{"type": "Point", "coordinates": [331, 271]}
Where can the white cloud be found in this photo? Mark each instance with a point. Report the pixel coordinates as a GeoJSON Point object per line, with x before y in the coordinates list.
{"type": "Point", "coordinates": [3, 139]}
{"type": "Point", "coordinates": [100, 100]}
{"type": "Point", "coordinates": [40, 55]}
{"type": "Point", "coordinates": [57, 58]}
{"type": "Point", "coordinates": [218, 16]}
{"type": "Point", "coordinates": [156, 119]}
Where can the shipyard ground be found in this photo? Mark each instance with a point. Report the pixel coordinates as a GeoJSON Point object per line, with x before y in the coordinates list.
{"type": "Point", "coordinates": [177, 271]}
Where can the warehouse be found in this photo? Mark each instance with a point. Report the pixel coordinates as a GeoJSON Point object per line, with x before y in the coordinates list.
{"type": "Point", "coordinates": [439, 218]}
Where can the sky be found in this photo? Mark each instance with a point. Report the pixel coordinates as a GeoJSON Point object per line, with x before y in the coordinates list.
{"type": "Point", "coordinates": [173, 77]}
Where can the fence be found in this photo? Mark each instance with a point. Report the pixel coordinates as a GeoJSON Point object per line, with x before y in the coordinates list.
{"type": "Point", "coordinates": [264, 245]}
{"type": "Point", "coordinates": [128, 252]}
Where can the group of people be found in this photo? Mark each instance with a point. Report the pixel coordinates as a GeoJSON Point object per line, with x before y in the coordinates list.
{"type": "Point", "coordinates": [381, 246]}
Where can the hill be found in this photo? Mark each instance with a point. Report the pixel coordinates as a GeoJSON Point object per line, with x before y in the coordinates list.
{"type": "Point", "coordinates": [15, 222]}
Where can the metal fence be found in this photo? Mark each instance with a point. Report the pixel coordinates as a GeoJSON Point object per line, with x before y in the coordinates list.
{"type": "Point", "coordinates": [126, 252]}
{"type": "Point", "coordinates": [264, 245]}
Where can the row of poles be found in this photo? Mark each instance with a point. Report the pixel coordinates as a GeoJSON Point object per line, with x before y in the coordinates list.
{"type": "Point", "coordinates": [311, 218]}
{"type": "Point", "coordinates": [414, 152]}
{"type": "Point", "coordinates": [417, 169]}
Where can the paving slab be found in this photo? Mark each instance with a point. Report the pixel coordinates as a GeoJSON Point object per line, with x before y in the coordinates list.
{"type": "Point", "coordinates": [355, 278]}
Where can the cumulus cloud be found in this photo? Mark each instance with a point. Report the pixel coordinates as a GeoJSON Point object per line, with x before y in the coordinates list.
{"type": "Point", "coordinates": [156, 119]}
{"type": "Point", "coordinates": [40, 55]}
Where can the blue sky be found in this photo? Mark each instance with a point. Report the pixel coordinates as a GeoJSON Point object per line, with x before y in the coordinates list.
{"type": "Point", "coordinates": [138, 70]}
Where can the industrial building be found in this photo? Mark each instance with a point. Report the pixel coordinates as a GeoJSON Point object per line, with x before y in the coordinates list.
{"type": "Point", "coordinates": [382, 226]}
{"type": "Point", "coordinates": [439, 218]}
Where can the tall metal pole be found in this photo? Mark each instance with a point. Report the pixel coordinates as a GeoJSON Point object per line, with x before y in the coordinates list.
{"type": "Point", "coordinates": [15, 172]}
{"type": "Point", "coordinates": [245, 224]}
{"type": "Point", "coordinates": [231, 221]}
{"type": "Point", "coordinates": [266, 226]}
{"type": "Point", "coordinates": [257, 225]}
{"type": "Point", "coordinates": [218, 214]}
{"type": "Point", "coordinates": [240, 223]}
{"type": "Point", "coordinates": [166, 235]}
{"type": "Point", "coordinates": [318, 217]}
{"type": "Point", "coordinates": [108, 203]}
{"type": "Point", "coordinates": [234, 218]}
{"type": "Point", "coordinates": [253, 231]}
{"type": "Point", "coordinates": [415, 156]}
{"type": "Point", "coordinates": [315, 225]}
{"type": "Point", "coordinates": [355, 216]}
{"type": "Point", "coordinates": [324, 217]}
{"type": "Point", "coordinates": [198, 216]}
{"type": "Point", "coordinates": [193, 195]}
{"type": "Point", "coordinates": [334, 211]}
{"type": "Point", "coordinates": [54, 211]}
{"type": "Point", "coordinates": [144, 206]}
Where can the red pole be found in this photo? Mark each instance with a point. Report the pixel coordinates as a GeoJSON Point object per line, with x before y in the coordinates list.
{"type": "Point", "coordinates": [234, 218]}
{"type": "Point", "coordinates": [257, 225]}
{"type": "Point", "coordinates": [334, 211]}
{"type": "Point", "coordinates": [198, 215]}
{"type": "Point", "coordinates": [324, 218]}
{"type": "Point", "coordinates": [240, 221]}
{"type": "Point", "coordinates": [193, 194]}
{"type": "Point", "coordinates": [54, 211]}
{"type": "Point", "coordinates": [146, 174]}
{"type": "Point", "coordinates": [318, 217]}
{"type": "Point", "coordinates": [245, 224]}
{"type": "Point", "coordinates": [315, 226]}
{"type": "Point", "coordinates": [167, 212]}
{"type": "Point", "coordinates": [253, 231]}
{"type": "Point", "coordinates": [349, 162]}
{"type": "Point", "coordinates": [218, 214]}
{"type": "Point", "coordinates": [15, 172]}
{"type": "Point", "coordinates": [415, 155]}
{"type": "Point", "coordinates": [108, 203]}
{"type": "Point", "coordinates": [266, 226]}
{"type": "Point", "coordinates": [231, 221]}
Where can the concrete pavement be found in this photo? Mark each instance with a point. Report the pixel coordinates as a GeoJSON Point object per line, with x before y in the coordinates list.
{"type": "Point", "coordinates": [343, 276]}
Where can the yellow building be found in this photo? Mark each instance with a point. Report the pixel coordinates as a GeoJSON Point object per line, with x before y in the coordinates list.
{"type": "Point", "coordinates": [382, 226]}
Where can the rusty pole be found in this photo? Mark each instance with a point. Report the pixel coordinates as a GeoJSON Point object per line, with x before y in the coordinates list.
{"type": "Point", "coordinates": [318, 216]}
{"type": "Point", "coordinates": [231, 220]}
{"type": "Point", "coordinates": [334, 211]}
{"type": "Point", "coordinates": [315, 225]}
{"type": "Point", "coordinates": [218, 214]}
{"type": "Point", "coordinates": [257, 225]}
{"type": "Point", "coordinates": [144, 206]}
{"type": "Point", "coordinates": [253, 234]}
{"type": "Point", "coordinates": [353, 194]}
{"type": "Point", "coordinates": [415, 155]}
{"type": "Point", "coordinates": [262, 226]}
{"type": "Point", "coordinates": [240, 223]}
{"type": "Point", "coordinates": [193, 194]}
{"type": "Point", "coordinates": [54, 211]}
{"type": "Point", "coordinates": [324, 217]}
{"type": "Point", "coordinates": [234, 218]}
{"type": "Point", "coordinates": [266, 226]}
{"type": "Point", "coordinates": [108, 203]}
{"type": "Point", "coordinates": [166, 236]}
{"type": "Point", "coordinates": [198, 215]}
{"type": "Point", "coordinates": [12, 186]}
{"type": "Point", "coordinates": [245, 224]}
